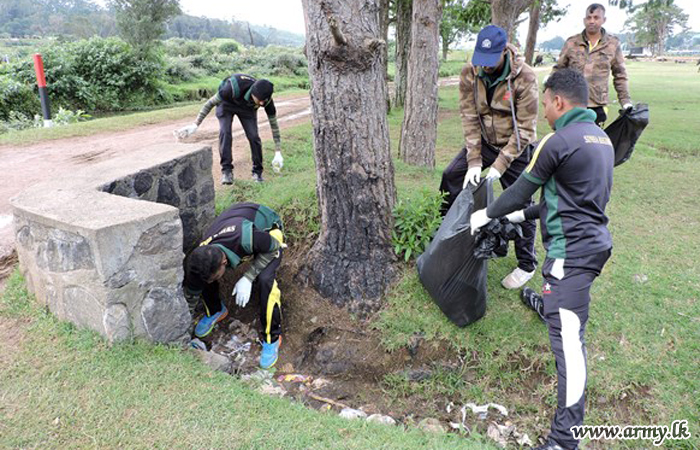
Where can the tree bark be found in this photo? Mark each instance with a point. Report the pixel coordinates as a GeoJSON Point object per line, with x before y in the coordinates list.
{"type": "Point", "coordinates": [403, 46]}
{"type": "Point", "coordinates": [352, 262]}
{"type": "Point", "coordinates": [419, 129]}
{"type": "Point", "coordinates": [505, 13]}
{"type": "Point", "coordinates": [384, 34]}
{"type": "Point", "coordinates": [532, 30]}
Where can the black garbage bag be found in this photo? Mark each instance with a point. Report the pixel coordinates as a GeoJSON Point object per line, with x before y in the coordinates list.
{"type": "Point", "coordinates": [452, 276]}
{"type": "Point", "coordinates": [491, 241]}
{"type": "Point", "coordinates": [626, 129]}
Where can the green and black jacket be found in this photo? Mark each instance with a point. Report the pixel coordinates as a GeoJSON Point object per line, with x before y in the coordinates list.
{"type": "Point", "coordinates": [242, 233]}
{"type": "Point", "coordinates": [236, 90]}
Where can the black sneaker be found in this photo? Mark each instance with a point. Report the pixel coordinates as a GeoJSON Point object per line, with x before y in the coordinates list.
{"type": "Point", "coordinates": [549, 446]}
{"type": "Point", "coordinates": [257, 178]}
{"type": "Point", "coordinates": [226, 177]}
{"type": "Point", "coordinates": [533, 300]}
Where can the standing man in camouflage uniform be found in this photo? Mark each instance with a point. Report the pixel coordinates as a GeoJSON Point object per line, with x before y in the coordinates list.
{"type": "Point", "coordinates": [498, 103]}
{"type": "Point", "coordinates": [595, 53]}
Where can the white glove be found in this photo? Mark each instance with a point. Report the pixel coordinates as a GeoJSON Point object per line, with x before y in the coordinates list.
{"type": "Point", "coordinates": [277, 162]}
{"type": "Point", "coordinates": [478, 220]}
{"type": "Point", "coordinates": [493, 174]}
{"type": "Point", "coordinates": [242, 291]}
{"type": "Point", "coordinates": [473, 176]}
{"type": "Point", "coordinates": [184, 132]}
{"type": "Point", "coordinates": [516, 216]}
{"type": "Point", "coordinates": [627, 105]}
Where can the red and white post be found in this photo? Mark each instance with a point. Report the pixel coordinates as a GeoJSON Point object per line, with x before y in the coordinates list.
{"type": "Point", "coordinates": [43, 95]}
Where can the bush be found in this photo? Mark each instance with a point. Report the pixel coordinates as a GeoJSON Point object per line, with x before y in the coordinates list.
{"type": "Point", "coordinates": [179, 69]}
{"type": "Point", "coordinates": [96, 74]}
{"type": "Point", "coordinates": [16, 97]}
{"type": "Point", "coordinates": [415, 223]}
{"type": "Point", "coordinates": [228, 46]}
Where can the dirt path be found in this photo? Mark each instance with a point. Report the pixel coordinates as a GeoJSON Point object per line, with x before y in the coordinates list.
{"type": "Point", "coordinates": [28, 165]}
{"type": "Point", "coordinates": [23, 166]}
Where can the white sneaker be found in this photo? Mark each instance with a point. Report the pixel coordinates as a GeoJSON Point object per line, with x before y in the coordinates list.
{"type": "Point", "coordinates": [517, 278]}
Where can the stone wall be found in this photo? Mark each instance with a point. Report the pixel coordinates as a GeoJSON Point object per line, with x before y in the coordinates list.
{"type": "Point", "coordinates": [104, 248]}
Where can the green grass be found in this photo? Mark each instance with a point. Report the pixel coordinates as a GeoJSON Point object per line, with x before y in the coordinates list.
{"type": "Point", "coordinates": [65, 387]}
{"type": "Point", "coordinates": [643, 339]}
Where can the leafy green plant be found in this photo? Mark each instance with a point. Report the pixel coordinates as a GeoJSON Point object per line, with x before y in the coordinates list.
{"type": "Point", "coordinates": [66, 116]}
{"type": "Point", "coordinates": [415, 223]}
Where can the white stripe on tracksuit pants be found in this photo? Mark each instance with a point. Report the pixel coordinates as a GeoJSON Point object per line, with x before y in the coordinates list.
{"type": "Point", "coordinates": [566, 298]}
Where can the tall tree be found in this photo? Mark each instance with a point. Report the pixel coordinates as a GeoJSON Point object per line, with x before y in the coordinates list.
{"type": "Point", "coordinates": [403, 46]}
{"type": "Point", "coordinates": [505, 14]}
{"type": "Point", "coordinates": [452, 26]}
{"type": "Point", "coordinates": [419, 129]}
{"type": "Point", "coordinates": [142, 22]}
{"type": "Point", "coordinates": [352, 262]}
{"type": "Point", "coordinates": [630, 4]}
{"type": "Point", "coordinates": [542, 12]}
{"type": "Point", "coordinates": [384, 7]}
{"type": "Point", "coordinates": [653, 22]}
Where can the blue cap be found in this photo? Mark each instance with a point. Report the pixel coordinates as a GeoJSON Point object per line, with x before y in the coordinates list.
{"type": "Point", "coordinates": [489, 46]}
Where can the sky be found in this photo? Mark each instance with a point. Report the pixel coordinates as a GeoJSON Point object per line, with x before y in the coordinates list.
{"type": "Point", "coordinates": [288, 15]}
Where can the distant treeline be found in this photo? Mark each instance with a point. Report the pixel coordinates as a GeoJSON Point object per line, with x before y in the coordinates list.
{"type": "Point", "coordinates": [84, 19]}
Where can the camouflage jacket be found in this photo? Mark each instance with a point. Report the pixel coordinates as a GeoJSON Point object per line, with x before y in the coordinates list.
{"type": "Point", "coordinates": [494, 122]}
{"type": "Point", "coordinates": [596, 65]}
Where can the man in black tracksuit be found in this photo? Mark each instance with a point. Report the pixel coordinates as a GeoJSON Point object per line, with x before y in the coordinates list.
{"type": "Point", "coordinates": [574, 167]}
{"type": "Point", "coordinates": [241, 95]}
{"type": "Point", "coordinates": [244, 231]}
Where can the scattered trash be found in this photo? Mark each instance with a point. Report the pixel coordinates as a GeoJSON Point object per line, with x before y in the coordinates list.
{"type": "Point", "coordinates": [349, 413]}
{"type": "Point", "coordinates": [482, 411]}
{"type": "Point", "coordinates": [268, 388]}
{"type": "Point", "coordinates": [198, 345]}
{"type": "Point", "coordinates": [287, 368]}
{"type": "Point", "coordinates": [214, 360]}
{"type": "Point", "coordinates": [431, 425]}
{"type": "Point", "coordinates": [295, 378]}
{"type": "Point", "coordinates": [318, 383]}
{"type": "Point", "coordinates": [379, 418]}
{"type": "Point", "coordinates": [640, 278]}
{"type": "Point", "coordinates": [259, 376]}
{"type": "Point", "coordinates": [501, 434]}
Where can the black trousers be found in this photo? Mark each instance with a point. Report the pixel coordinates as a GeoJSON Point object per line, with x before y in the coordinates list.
{"type": "Point", "coordinates": [249, 121]}
{"type": "Point", "coordinates": [601, 115]}
{"type": "Point", "coordinates": [566, 297]}
{"type": "Point", "coordinates": [453, 180]}
{"type": "Point", "coordinates": [265, 291]}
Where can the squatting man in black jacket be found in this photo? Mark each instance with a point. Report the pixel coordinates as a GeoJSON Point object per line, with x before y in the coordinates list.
{"type": "Point", "coordinates": [245, 231]}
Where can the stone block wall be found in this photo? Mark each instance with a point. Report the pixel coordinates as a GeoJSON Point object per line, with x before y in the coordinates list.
{"type": "Point", "coordinates": [104, 248]}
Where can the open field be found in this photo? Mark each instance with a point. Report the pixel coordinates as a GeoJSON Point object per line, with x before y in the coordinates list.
{"type": "Point", "coordinates": [62, 387]}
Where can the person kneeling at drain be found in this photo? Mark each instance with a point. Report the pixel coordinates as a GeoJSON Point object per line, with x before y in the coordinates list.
{"type": "Point", "coordinates": [243, 232]}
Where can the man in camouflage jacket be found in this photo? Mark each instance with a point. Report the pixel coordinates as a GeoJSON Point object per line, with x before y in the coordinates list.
{"type": "Point", "coordinates": [596, 53]}
{"type": "Point", "coordinates": [498, 104]}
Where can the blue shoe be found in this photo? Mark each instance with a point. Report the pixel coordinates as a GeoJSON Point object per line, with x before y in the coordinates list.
{"type": "Point", "coordinates": [269, 354]}
{"type": "Point", "coordinates": [206, 323]}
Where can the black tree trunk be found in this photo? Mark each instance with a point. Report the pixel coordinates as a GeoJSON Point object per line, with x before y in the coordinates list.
{"type": "Point", "coordinates": [419, 129]}
{"type": "Point", "coordinates": [403, 46]}
{"type": "Point", "coordinates": [352, 262]}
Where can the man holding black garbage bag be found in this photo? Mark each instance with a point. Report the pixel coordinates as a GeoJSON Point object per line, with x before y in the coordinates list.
{"type": "Point", "coordinates": [574, 168]}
